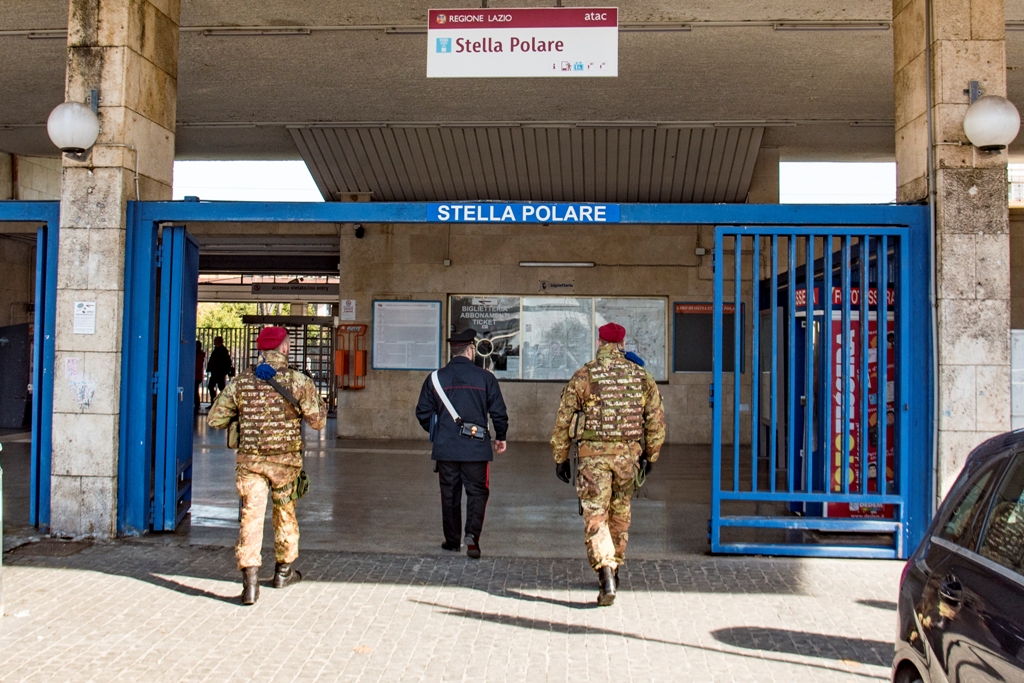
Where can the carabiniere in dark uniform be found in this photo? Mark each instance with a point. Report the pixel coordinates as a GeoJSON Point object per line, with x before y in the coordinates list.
{"type": "Point", "coordinates": [463, 452]}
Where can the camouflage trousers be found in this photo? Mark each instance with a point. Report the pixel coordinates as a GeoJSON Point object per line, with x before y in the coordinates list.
{"type": "Point", "coordinates": [256, 479]}
{"type": "Point", "coordinates": [605, 485]}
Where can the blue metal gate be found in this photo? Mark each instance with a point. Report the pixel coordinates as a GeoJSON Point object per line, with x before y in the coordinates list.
{"type": "Point", "coordinates": [813, 452]}
{"type": "Point", "coordinates": [47, 215]}
{"type": "Point", "coordinates": [158, 366]}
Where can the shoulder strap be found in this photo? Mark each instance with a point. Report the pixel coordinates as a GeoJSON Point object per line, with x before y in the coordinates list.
{"type": "Point", "coordinates": [284, 392]}
{"type": "Point", "coordinates": [444, 398]}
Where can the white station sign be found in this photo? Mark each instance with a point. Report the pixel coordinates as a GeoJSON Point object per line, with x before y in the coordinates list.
{"type": "Point", "coordinates": [549, 42]}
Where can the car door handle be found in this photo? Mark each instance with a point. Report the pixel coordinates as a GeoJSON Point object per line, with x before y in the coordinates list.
{"type": "Point", "coordinates": [951, 591]}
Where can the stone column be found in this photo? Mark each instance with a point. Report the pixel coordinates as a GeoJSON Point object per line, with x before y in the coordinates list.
{"type": "Point", "coordinates": [968, 43]}
{"type": "Point", "coordinates": [128, 50]}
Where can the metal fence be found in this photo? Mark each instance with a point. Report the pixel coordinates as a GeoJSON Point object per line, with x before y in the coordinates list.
{"type": "Point", "coordinates": [312, 351]}
{"type": "Point", "coordinates": [831, 333]}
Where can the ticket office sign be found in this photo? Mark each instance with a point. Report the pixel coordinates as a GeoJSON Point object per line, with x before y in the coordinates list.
{"type": "Point", "coordinates": [551, 42]}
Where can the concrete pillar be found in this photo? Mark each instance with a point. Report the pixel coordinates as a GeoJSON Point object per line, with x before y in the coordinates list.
{"type": "Point", "coordinates": [764, 183]}
{"type": "Point", "coordinates": [128, 50]}
{"type": "Point", "coordinates": [972, 230]}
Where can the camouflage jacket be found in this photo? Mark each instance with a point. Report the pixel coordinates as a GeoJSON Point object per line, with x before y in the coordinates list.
{"type": "Point", "coordinates": [269, 427]}
{"type": "Point", "coordinates": [620, 402]}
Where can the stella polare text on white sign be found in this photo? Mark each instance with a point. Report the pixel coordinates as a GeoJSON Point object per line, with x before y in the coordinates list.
{"type": "Point", "coordinates": [555, 42]}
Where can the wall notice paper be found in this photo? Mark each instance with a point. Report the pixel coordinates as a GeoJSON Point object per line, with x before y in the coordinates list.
{"type": "Point", "coordinates": [85, 317]}
{"type": "Point", "coordinates": [348, 309]}
{"type": "Point", "coordinates": [552, 42]}
{"type": "Point", "coordinates": [406, 335]}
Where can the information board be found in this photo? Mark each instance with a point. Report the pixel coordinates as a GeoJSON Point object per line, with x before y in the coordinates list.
{"type": "Point", "coordinates": [645, 321]}
{"type": "Point", "coordinates": [406, 335]}
{"type": "Point", "coordinates": [693, 337]}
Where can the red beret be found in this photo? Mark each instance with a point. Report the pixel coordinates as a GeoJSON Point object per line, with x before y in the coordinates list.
{"type": "Point", "coordinates": [271, 338]}
{"type": "Point", "coordinates": [612, 333]}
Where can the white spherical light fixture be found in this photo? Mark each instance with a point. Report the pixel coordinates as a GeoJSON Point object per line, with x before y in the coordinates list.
{"type": "Point", "coordinates": [991, 123]}
{"type": "Point", "coordinates": [73, 127]}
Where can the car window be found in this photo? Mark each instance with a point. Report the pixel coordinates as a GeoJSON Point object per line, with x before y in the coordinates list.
{"type": "Point", "coordinates": [959, 524]}
{"type": "Point", "coordinates": [1003, 539]}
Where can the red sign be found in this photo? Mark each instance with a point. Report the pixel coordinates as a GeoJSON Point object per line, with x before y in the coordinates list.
{"type": "Point", "coordinates": [856, 472]}
{"type": "Point", "coordinates": [703, 309]}
{"type": "Point", "coordinates": [540, 17]}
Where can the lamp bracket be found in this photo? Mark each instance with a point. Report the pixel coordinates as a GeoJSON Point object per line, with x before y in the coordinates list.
{"type": "Point", "coordinates": [974, 91]}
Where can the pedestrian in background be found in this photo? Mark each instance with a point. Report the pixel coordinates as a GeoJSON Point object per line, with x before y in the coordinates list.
{"type": "Point", "coordinates": [270, 402]}
{"type": "Point", "coordinates": [219, 366]}
{"type": "Point", "coordinates": [453, 408]}
{"type": "Point", "coordinates": [609, 405]}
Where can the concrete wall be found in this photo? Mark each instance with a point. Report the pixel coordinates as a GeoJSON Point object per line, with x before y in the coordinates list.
{"type": "Point", "coordinates": [17, 286]}
{"type": "Point", "coordinates": [407, 262]}
{"type": "Point", "coordinates": [1017, 269]}
{"type": "Point", "coordinates": [29, 178]}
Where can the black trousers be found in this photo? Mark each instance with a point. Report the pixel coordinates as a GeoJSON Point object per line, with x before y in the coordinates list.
{"type": "Point", "coordinates": [216, 385]}
{"type": "Point", "coordinates": [454, 476]}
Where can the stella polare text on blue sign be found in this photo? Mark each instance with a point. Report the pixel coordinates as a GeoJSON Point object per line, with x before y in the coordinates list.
{"type": "Point", "coordinates": [523, 213]}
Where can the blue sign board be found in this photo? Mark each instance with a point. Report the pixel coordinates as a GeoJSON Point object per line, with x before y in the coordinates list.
{"type": "Point", "coordinates": [522, 213]}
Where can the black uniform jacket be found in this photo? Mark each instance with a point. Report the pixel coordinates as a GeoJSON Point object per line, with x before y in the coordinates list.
{"type": "Point", "coordinates": [475, 394]}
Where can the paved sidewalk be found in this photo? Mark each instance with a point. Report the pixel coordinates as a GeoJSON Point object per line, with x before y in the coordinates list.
{"type": "Point", "coordinates": [143, 611]}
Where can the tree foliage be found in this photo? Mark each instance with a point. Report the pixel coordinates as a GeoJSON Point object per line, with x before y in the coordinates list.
{"type": "Point", "coordinates": [223, 314]}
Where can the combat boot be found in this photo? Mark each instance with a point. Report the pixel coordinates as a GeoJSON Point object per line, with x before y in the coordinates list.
{"type": "Point", "coordinates": [284, 575]}
{"type": "Point", "coordinates": [606, 578]}
{"type": "Point", "coordinates": [250, 585]}
{"type": "Point", "coordinates": [616, 578]}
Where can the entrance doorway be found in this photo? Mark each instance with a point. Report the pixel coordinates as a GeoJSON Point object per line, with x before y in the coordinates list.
{"type": "Point", "coordinates": [734, 218]}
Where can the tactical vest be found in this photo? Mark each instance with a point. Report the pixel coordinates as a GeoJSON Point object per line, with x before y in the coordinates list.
{"type": "Point", "coordinates": [614, 410]}
{"type": "Point", "coordinates": [267, 423]}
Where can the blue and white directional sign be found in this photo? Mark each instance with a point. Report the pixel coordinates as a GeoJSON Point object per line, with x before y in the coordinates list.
{"type": "Point", "coordinates": [523, 213]}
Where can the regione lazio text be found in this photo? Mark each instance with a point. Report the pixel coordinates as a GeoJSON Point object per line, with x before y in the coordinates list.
{"type": "Point", "coordinates": [522, 43]}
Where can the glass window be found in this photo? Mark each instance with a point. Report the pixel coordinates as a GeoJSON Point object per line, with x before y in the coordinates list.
{"type": "Point", "coordinates": [1003, 540]}
{"type": "Point", "coordinates": [558, 336]}
{"type": "Point", "coordinates": [957, 527]}
{"type": "Point", "coordinates": [645, 323]}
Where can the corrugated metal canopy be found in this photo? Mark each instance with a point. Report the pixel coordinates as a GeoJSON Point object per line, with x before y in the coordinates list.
{"type": "Point", "coordinates": [530, 162]}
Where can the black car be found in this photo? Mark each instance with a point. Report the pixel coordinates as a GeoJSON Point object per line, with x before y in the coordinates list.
{"type": "Point", "coordinates": [961, 600]}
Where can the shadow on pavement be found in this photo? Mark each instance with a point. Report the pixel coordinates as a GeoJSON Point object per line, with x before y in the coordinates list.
{"type": "Point", "coordinates": [583, 629]}
{"type": "Point", "coordinates": [878, 604]}
{"type": "Point", "coordinates": [807, 644]}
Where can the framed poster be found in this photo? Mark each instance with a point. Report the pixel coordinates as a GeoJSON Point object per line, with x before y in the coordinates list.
{"type": "Point", "coordinates": [406, 335]}
{"type": "Point", "coordinates": [496, 321]}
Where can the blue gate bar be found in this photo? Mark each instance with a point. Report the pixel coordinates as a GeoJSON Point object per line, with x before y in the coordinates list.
{"type": "Point", "coordinates": [774, 420]}
{"type": "Point", "coordinates": [882, 264]}
{"type": "Point", "coordinates": [755, 355]}
{"type": "Point", "coordinates": [791, 402]}
{"type": "Point", "coordinates": [737, 320]}
{"type": "Point", "coordinates": [865, 348]}
{"type": "Point", "coordinates": [827, 364]}
{"type": "Point", "coordinates": [847, 365]}
{"type": "Point", "coordinates": [717, 400]}
{"type": "Point", "coordinates": [809, 364]}
{"type": "Point", "coordinates": [901, 406]}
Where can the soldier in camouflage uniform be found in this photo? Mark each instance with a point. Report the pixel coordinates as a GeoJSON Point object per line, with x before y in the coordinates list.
{"type": "Point", "coordinates": [269, 455]}
{"type": "Point", "coordinates": [619, 404]}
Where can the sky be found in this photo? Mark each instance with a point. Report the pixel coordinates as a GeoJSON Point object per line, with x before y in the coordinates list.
{"type": "Point", "coordinates": [290, 181]}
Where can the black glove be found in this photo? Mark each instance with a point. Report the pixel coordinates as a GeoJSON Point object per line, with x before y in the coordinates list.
{"type": "Point", "coordinates": [645, 465]}
{"type": "Point", "coordinates": [563, 470]}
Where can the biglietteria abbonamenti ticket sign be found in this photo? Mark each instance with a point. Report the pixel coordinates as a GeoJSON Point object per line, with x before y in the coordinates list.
{"type": "Point", "coordinates": [556, 42]}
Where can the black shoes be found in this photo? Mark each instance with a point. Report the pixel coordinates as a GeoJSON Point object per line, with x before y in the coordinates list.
{"type": "Point", "coordinates": [454, 546]}
{"type": "Point", "coordinates": [284, 575]}
{"type": "Point", "coordinates": [472, 547]}
{"type": "Point", "coordinates": [607, 581]}
{"type": "Point", "coordinates": [250, 585]}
